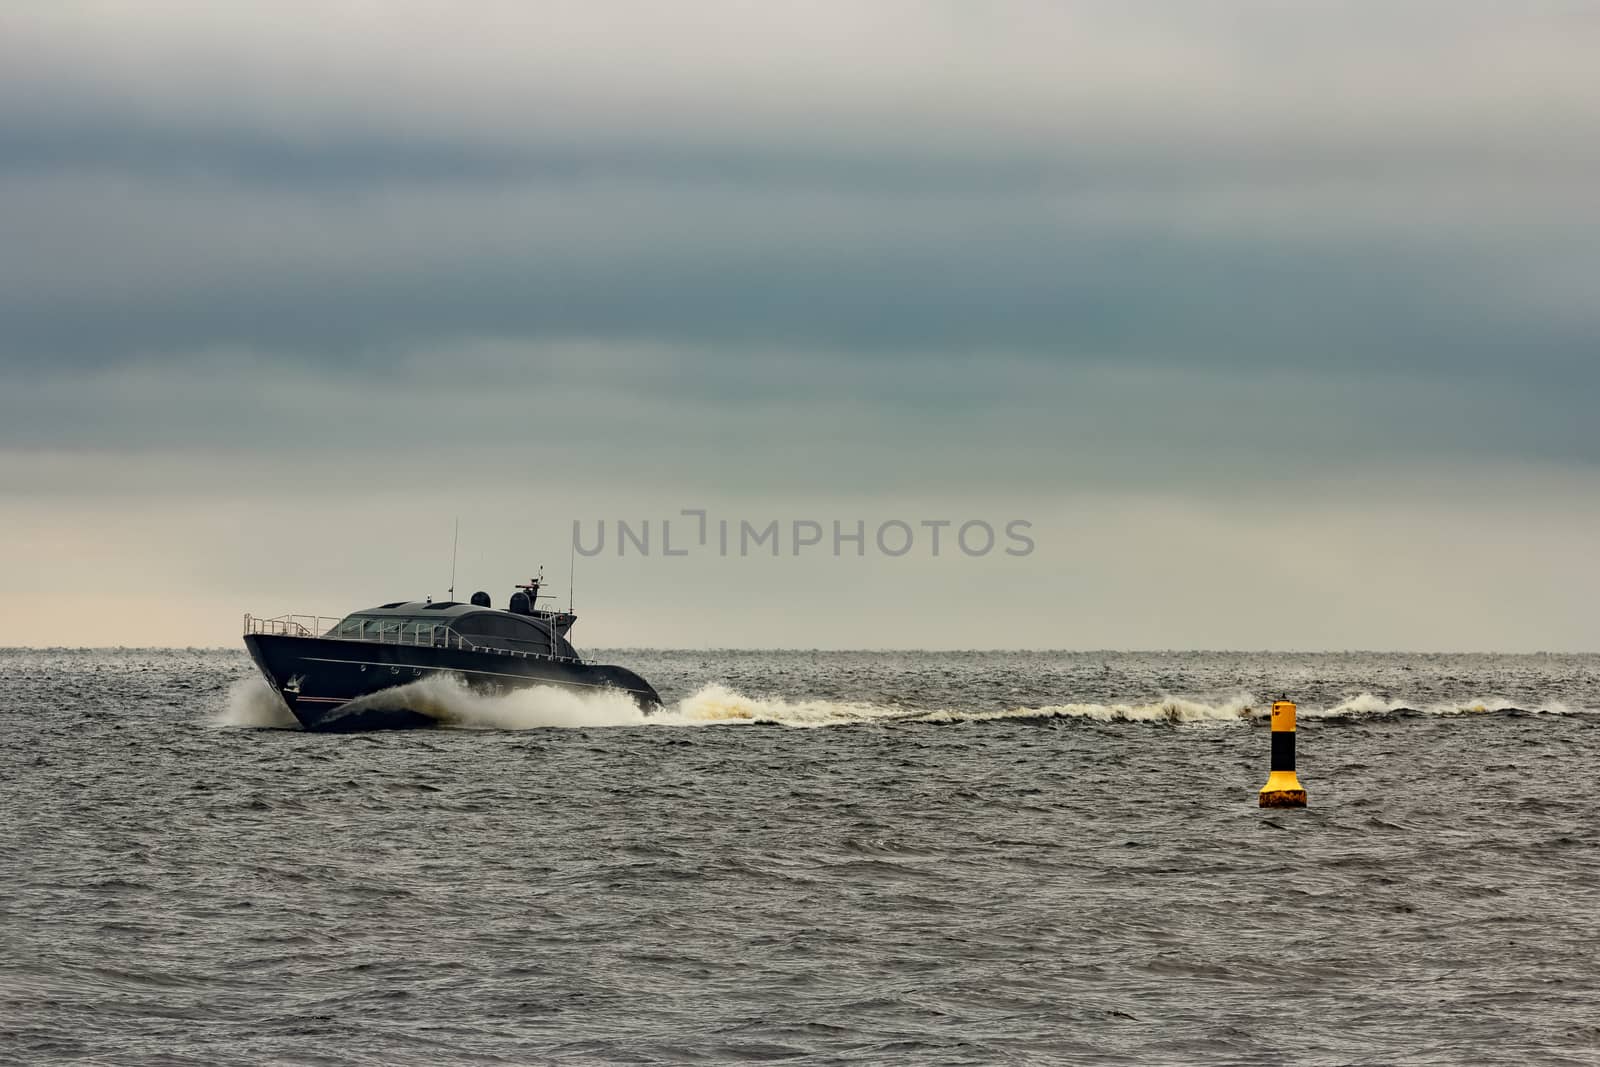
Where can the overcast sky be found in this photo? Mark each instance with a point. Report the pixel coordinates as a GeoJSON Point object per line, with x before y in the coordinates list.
{"type": "Point", "coordinates": [1277, 322]}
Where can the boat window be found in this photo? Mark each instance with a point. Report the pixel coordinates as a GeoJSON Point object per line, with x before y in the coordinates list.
{"type": "Point", "coordinates": [379, 628]}
{"type": "Point", "coordinates": [521, 634]}
{"type": "Point", "coordinates": [420, 630]}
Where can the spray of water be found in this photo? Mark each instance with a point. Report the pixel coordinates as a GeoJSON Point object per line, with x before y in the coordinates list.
{"type": "Point", "coordinates": [253, 703]}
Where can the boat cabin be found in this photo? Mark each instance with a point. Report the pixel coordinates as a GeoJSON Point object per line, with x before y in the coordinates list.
{"type": "Point", "coordinates": [414, 622]}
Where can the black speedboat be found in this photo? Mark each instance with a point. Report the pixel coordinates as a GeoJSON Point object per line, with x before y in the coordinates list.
{"type": "Point", "coordinates": [330, 678]}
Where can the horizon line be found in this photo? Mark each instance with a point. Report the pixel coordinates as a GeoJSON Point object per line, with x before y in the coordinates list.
{"type": "Point", "coordinates": [889, 650]}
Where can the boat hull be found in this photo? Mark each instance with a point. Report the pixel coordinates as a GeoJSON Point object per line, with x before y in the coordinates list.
{"type": "Point", "coordinates": [323, 680]}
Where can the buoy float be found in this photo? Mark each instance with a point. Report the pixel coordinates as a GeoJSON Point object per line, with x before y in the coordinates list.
{"type": "Point", "coordinates": [1283, 788]}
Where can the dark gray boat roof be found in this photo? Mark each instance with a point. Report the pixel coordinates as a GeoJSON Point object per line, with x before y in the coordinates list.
{"type": "Point", "coordinates": [443, 608]}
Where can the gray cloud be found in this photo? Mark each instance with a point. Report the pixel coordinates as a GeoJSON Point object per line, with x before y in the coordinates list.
{"type": "Point", "coordinates": [1214, 253]}
{"type": "Point", "coordinates": [638, 417]}
{"type": "Point", "coordinates": [1330, 186]}
{"type": "Point", "coordinates": [105, 267]}
{"type": "Point", "coordinates": [895, 73]}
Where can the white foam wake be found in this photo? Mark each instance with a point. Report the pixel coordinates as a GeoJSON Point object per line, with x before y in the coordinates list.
{"type": "Point", "coordinates": [449, 702]}
{"type": "Point", "coordinates": [1366, 705]}
{"type": "Point", "coordinates": [1176, 710]}
{"type": "Point", "coordinates": [252, 703]}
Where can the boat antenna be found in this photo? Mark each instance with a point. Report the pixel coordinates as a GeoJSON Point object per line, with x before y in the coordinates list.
{"type": "Point", "coordinates": [455, 540]}
{"type": "Point", "coordinates": [572, 571]}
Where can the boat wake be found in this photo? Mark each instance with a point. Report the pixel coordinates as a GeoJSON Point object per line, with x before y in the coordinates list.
{"type": "Point", "coordinates": [252, 704]}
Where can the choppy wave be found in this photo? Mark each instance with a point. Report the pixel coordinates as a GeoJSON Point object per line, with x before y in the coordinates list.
{"type": "Point", "coordinates": [252, 703]}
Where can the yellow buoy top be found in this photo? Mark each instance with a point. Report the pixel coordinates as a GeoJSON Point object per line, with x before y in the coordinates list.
{"type": "Point", "coordinates": [1283, 716]}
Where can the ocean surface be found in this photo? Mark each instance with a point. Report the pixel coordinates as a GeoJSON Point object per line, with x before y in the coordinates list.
{"type": "Point", "coordinates": [818, 857]}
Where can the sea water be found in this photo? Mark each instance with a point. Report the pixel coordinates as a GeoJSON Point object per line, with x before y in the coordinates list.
{"type": "Point", "coordinates": [929, 857]}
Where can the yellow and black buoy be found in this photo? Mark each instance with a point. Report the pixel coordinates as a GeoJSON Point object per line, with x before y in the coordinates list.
{"type": "Point", "coordinates": [1283, 789]}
